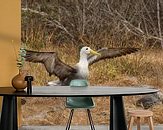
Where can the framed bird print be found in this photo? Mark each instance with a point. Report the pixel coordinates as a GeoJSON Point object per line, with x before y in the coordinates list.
{"type": "Point", "coordinates": [107, 43]}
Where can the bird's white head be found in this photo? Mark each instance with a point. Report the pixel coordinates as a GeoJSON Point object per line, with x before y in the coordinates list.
{"type": "Point", "coordinates": [87, 50]}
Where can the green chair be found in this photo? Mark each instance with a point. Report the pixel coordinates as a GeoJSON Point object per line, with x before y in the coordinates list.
{"type": "Point", "coordinates": [79, 102]}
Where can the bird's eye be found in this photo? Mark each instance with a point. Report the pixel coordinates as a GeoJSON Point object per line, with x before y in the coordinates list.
{"type": "Point", "coordinates": [86, 49]}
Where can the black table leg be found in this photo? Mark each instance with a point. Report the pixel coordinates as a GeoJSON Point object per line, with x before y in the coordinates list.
{"type": "Point", "coordinates": [117, 115]}
{"type": "Point", "coordinates": [9, 113]}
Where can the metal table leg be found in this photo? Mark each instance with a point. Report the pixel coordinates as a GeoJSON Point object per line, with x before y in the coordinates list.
{"type": "Point", "coordinates": [117, 115]}
{"type": "Point", "coordinates": [9, 113]}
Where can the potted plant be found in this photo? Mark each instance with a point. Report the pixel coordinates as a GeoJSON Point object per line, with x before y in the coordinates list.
{"type": "Point", "coordinates": [18, 81]}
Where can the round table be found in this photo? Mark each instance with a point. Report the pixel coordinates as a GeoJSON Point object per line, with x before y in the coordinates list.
{"type": "Point", "coordinates": [117, 115]}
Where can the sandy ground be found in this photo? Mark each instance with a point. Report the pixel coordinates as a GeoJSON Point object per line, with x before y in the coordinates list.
{"type": "Point", "coordinates": [52, 111]}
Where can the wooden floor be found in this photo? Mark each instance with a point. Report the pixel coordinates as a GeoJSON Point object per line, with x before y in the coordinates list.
{"type": "Point", "coordinates": [102, 127]}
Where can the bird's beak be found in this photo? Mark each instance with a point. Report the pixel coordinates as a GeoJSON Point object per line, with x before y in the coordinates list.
{"type": "Point", "coordinates": [94, 52]}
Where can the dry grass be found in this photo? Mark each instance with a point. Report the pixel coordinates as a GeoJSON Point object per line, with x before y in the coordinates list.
{"type": "Point", "coordinates": [144, 67]}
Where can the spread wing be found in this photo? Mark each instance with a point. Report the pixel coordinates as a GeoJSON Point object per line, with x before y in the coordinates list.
{"type": "Point", "coordinates": [107, 53]}
{"type": "Point", "coordinates": [51, 62]}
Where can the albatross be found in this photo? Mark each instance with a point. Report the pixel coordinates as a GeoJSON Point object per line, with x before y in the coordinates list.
{"type": "Point", "coordinates": [55, 66]}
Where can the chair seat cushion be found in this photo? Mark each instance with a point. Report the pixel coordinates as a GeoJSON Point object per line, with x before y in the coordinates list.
{"type": "Point", "coordinates": [80, 102]}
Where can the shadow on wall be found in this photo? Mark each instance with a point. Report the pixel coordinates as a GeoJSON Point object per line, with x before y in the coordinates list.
{"type": "Point", "coordinates": [7, 37]}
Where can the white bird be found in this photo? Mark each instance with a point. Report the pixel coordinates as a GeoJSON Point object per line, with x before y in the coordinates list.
{"type": "Point", "coordinates": [66, 73]}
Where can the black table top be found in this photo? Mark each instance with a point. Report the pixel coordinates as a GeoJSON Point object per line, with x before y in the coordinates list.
{"type": "Point", "coordinates": [65, 91]}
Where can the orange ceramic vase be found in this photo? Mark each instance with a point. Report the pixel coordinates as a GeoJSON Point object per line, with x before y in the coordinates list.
{"type": "Point", "coordinates": [18, 81]}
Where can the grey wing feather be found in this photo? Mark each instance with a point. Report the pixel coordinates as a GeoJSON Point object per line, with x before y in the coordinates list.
{"type": "Point", "coordinates": [107, 53]}
{"type": "Point", "coordinates": [51, 62]}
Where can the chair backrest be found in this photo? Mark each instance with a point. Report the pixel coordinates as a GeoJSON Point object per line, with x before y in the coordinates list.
{"type": "Point", "coordinates": [79, 102]}
{"type": "Point", "coordinates": [79, 83]}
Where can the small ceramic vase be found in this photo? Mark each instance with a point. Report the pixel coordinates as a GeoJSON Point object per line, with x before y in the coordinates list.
{"type": "Point", "coordinates": [18, 81]}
